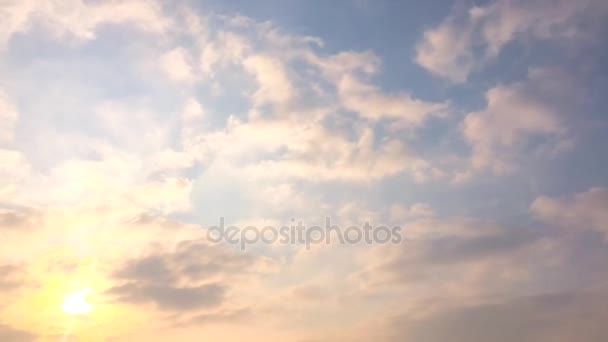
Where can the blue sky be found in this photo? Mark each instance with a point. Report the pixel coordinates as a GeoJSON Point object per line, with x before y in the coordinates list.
{"type": "Point", "coordinates": [129, 128]}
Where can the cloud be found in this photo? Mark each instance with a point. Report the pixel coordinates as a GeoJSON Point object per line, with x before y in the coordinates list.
{"type": "Point", "coordinates": [468, 39]}
{"type": "Point", "coordinates": [216, 115]}
{"type": "Point", "coordinates": [454, 258]}
{"type": "Point", "coordinates": [79, 19]}
{"type": "Point", "coordinates": [233, 316]}
{"type": "Point", "coordinates": [371, 103]}
{"type": "Point", "coordinates": [8, 118]}
{"type": "Point", "coordinates": [288, 70]}
{"type": "Point", "coordinates": [11, 277]}
{"type": "Point", "coordinates": [445, 51]}
{"type": "Point", "coordinates": [400, 213]}
{"type": "Point", "coordinates": [228, 48]}
{"type": "Point", "coordinates": [558, 317]}
{"type": "Point", "coordinates": [585, 210]}
{"type": "Point", "coordinates": [14, 164]}
{"type": "Point", "coordinates": [132, 126]}
{"type": "Point", "coordinates": [14, 170]}
{"type": "Point", "coordinates": [19, 220]}
{"type": "Point", "coordinates": [9, 334]}
{"type": "Point", "coordinates": [177, 65]}
{"type": "Point", "coordinates": [279, 150]}
{"type": "Point", "coordinates": [476, 280]}
{"type": "Point", "coordinates": [111, 178]}
{"type": "Point", "coordinates": [323, 157]}
{"type": "Point", "coordinates": [309, 90]}
{"type": "Point", "coordinates": [521, 118]}
{"type": "Point", "coordinates": [271, 75]}
{"type": "Point", "coordinates": [168, 297]}
{"type": "Point", "coordinates": [193, 275]}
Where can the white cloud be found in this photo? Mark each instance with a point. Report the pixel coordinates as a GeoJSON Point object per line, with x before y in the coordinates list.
{"type": "Point", "coordinates": [8, 118]}
{"type": "Point", "coordinates": [445, 51]}
{"type": "Point", "coordinates": [283, 149]}
{"type": "Point", "coordinates": [585, 210]}
{"type": "Point", "coordinates": [134, 126]}
{"type": "Point", "coordinates": [14, 169]}
{"type": "Point", "coordinates": [400, 213]}
{"type": "Point", "coordinates": [291, 141]}
{"type": "Point", "coordinates": [501, 133]}
{"type": "Point", "coordinates": [338, 80]}
{"type": "Point", "coordinates": [466, 40]}
{"type": "Point", "coordinates": [177, 66]}
{"type": "Point", "coordinates": [228, 48]}
{"type": "Point", "coordinates": [273, 80]}
{"type": "Point", "coordinates": [79, 18]}
{"type": "Point", "coordinates": [371, 103]}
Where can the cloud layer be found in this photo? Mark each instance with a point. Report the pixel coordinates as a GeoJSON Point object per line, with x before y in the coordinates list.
{"type": "Point", "coordinates": [127, 128]}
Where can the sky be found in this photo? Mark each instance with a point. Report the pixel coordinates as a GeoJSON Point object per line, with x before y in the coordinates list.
{"type": "Point", "coordinates": [468, 135]}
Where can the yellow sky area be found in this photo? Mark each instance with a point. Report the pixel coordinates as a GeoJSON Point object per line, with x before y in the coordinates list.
{"type": "Point", "coordinates": [72, 250]}
{"type": "Point", "coordinates": [38, 307]}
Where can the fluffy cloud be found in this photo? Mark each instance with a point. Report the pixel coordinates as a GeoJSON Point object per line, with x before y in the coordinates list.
{"type": "Point", "coordinates": [228, 48]}
{"type": "Point", "coordinates": [441, 45]}
{"type": "Point", "coordinates": [467, 39]}
{"type": "Point", "coordinates": [519, 119]}
{"type": "Point", "coordinates": [269, 55]}
{"type": "Point", "coordinates": [400, 213]}
{"type": "Point", "coordinates": [14, 170]}
{"type": "Point", "coordinates": [291, 139]}
{"type": "Point", "coordinates": [192, 275]}
{"type": "Point", "coordinates": [585, 210]}
{"type": "Point", "coordinates": [8, 118]}
{"type": "Point", "coordinates": [460, 258]}
{"type": "Point", "coordinates": [274, 84]}
{"type": "Point", "coordinates": [371, 103]}
{"type": "Point", "coordinates": [79, 18]}
{"type": "Point", "coordinates": [177, 65]}
{"type": "Point", "coordinates": [225, 116]}
{"type": "Point", "coordinates": [297, 149]}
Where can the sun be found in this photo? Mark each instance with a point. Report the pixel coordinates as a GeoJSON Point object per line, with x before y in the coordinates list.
{"type": "Point", "coordinates": [76, 303]}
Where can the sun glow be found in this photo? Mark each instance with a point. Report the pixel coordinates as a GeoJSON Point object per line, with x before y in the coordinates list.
{"type": "Point", "coordinates": [76, 303]}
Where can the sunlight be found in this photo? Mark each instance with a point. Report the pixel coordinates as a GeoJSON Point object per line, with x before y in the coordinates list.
{"type": "Point", "coordinates": [76, 303]}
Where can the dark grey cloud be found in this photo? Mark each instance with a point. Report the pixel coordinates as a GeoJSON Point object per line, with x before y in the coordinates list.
{"type": "Point", "coordinates": [170, 297]}
{"type": "Point", "coordinates": [452, 247]}
{"type": "Point", "coordinates": [562, 317]}
{"type": "Point", "coordinates": [447, 259]}
{"type": "Point", "coordinates": [11, 277]}
{"type": "Point", "coordinates": [457, 248]}
{"type": "Point", "coordinates": [198, 259]}
{"type": "Point", "coordinates": [153, 268]}
{"type": "Point", "coordinates": [19, 219]}
{"type": "Point", "coordinates": [9, 334]}
{"type": "Point", "coordinates": [478, 281]}
{"type": "Point", "coordinates": [193, 275]}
